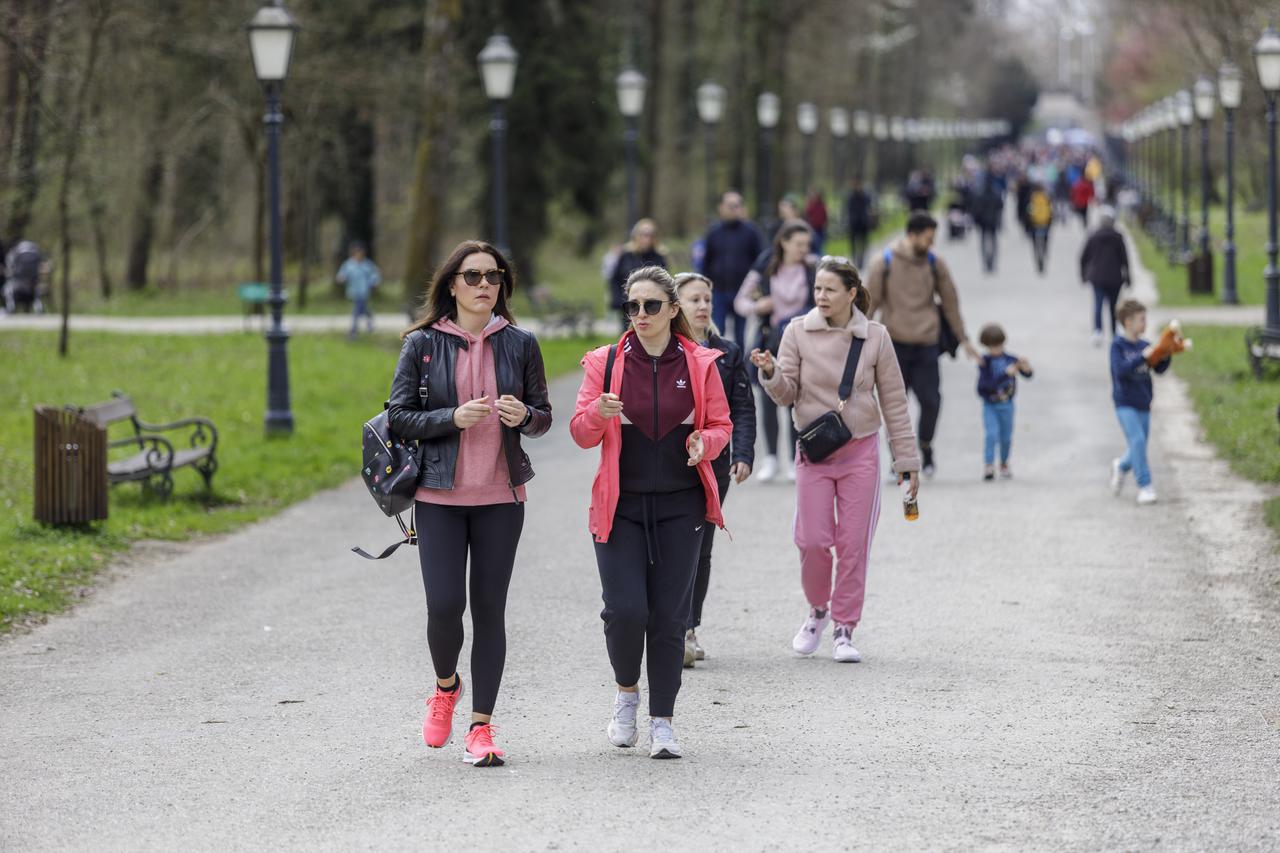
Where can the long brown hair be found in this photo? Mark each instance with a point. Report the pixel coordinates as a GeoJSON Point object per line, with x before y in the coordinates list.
{"type": "Point", "coordinates": [440, 303]}
{"type": "Point", "coordinates": [662, 278]}
{"type": "Point", "coordinates": [788, 229]}
{"type": "Point", "coordinates": [844, 269]}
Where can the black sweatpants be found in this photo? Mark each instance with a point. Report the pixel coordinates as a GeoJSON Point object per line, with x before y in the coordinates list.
{"type": "Point", "coordinates": [646, 580]}
{"type": "Point", "coordinates": [919, 363]}
{"type": "Point", "coordinates": [703, 576]}
{"type": "Point", "coordinates": [445, 536]}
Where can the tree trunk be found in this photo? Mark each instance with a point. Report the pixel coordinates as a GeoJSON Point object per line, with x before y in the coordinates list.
{"type": "Point", "coordinates": [654, 103]}
{"type": "Point", "coordinates": [431, 160]}
{"type": "Point", "coordinates": [11, 80]}
{"type": "Point", "coordinates": [101, 14]}
{"type": "Point", "coordinates": [25, 174]}
{"type": "Point", "coordinates": [144, 215]}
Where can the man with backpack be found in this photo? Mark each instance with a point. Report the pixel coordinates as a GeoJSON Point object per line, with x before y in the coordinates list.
{"type": "Point", "coordinates": [23, 266]}
{"type": "Point", "coordinates": [912, 289]}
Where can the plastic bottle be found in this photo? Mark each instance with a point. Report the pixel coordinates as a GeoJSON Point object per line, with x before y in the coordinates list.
{"type": "Point", "coordinates": [910, 506]}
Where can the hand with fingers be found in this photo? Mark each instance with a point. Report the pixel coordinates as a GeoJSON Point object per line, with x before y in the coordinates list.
{"type": "Point", "coordinates": [511, 411]}
{"type": "Point", "coordinates": [472, 412]}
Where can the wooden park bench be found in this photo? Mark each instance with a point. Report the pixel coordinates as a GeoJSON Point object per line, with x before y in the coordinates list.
{"type": "Point", "coordinates": [155, 458]}
{"type": "Point", "coordinates": [253, 299]}
{"type": "Point", "coordinates": [1263, 345]}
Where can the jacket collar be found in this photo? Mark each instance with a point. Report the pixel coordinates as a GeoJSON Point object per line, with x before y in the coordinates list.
{"type": "Point", "coordinates": [857, 325]}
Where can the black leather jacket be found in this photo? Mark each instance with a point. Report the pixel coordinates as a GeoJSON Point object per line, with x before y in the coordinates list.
{"type": "Point", "coordinates": [428, 359]}
{"type": "Point", "coordinates": [742, 407]}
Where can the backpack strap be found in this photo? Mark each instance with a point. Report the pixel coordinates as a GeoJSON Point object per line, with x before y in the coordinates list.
{"type": "Point", "coordinates": [608, 366]}
{"type": "Point", "coordinates": [410, 538]}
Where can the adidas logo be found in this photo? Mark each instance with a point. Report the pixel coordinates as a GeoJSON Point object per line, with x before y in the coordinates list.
{"type": "Point", "coordinates": [682, 384]}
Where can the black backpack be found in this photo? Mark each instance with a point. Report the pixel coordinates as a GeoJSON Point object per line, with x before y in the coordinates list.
{"type": "Point", "coordinates": [390, 472]}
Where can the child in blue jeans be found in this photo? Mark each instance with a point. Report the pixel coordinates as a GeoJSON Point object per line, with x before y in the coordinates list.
{"type": "Point", "coordinates": [997, 385]}
{"type": "Point", "coordinates": [361, 276]}
{"type": "Point", "coordinates": [1132, 393]}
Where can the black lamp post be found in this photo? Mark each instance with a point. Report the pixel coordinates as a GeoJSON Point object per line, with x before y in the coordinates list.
{"type": "Point", "coordinates": [1202, 270]}
{"type": "Point", "coordinates": [271, 34]}
{"type": "Point", "coordinates": [1229, 92]}
{"type": "Point", "coordinates": [898, 133]}
{"type": "Point", "coordinates": [1186, 114]}
{"type": "Point", "coordinates": [631, 86]}
{"type": "Point", "coordinates": [498, 71]}
{"type": "Point", "coordinates": [710, 98]}
{"type": "Point", "coordinates": [1266, 56]}
{"type": "Point", "coordinates": [838, 120]}
{"type": "Point", "coordinates": [1171, 178]}
{"type": "Point", "coordinates": [880, 129]}
{"type": "Point", "coordinates": [768, 112]}
{"type": "Point", "coordinates": [807, 121]}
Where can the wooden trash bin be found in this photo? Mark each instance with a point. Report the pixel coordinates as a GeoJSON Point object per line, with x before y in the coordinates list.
{"type": "Point", "coordinates": [71, 467]}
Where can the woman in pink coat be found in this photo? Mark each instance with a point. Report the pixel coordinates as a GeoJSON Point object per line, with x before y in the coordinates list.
{"type": "Point", "coordinates": [838, 499]}
{"type": "Point", "coordinates": [655, 405]}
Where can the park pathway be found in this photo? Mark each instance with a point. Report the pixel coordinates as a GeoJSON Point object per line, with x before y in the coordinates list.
{"type": "Point", "coordinates": [1047, 667]}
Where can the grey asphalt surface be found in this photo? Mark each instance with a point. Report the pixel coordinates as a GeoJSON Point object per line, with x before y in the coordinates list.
{"type": "Point", "coordinates": [1046, 666]}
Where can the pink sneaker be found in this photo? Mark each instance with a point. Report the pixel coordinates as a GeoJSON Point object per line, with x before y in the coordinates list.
{"type": "Point", "coordinates": [437, 728]}
{"type": "Point", "coordinates": [480, 751]}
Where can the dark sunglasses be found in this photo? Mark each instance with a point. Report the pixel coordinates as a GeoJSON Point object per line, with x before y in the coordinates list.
{"type": "Point", "coordinates": [493, 277]}
{"type": "Point", "coordinates": [651, 306]}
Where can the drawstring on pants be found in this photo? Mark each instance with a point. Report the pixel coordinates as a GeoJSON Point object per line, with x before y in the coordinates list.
{"type": "Point", "coordinates": [648, 509]}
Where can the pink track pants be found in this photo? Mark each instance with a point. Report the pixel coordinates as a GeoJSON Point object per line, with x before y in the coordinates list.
{"type": "Point", "coordinates": [838, 506]}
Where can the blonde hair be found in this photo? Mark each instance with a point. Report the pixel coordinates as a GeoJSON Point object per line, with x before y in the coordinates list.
{"type": "Point", "coordinates": [684, 278]}
{"type": "Point", "coordinates": [635, 229]}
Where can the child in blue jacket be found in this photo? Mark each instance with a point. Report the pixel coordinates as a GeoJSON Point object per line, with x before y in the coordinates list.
{"type": "Point", "coordinates": [997, 384]}
{"type": "Point", "coordinates": [1132, 393]}
{"type": "Point", "coordinates": [361, 276]}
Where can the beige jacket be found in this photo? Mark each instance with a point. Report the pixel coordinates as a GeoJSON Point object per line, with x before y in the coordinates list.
{"type": "Point", "coordinates": [908, 310]}
{"type": "Point", "coordinates": [811, 365]}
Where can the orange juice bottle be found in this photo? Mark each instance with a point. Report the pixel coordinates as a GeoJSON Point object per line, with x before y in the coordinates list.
{"type": "Point", "coordinates": [910, 506]}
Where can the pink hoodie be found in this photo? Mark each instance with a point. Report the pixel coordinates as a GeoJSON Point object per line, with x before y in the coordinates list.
{"type": "Point", "coordinates": [481, 475]}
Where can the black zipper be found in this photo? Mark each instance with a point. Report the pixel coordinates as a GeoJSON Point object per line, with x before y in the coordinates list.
{"type": "Point", "coordinates": [657, 443]}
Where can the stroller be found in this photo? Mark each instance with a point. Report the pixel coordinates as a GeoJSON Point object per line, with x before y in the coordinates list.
{"type": "Point", "coordinates": [957, 219]}
{"type": "Point", "coordinates": [23, 268]}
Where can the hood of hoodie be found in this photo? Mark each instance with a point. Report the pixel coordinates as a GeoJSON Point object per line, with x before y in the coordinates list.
{"type": "Point", "coordinates": [448, 326]}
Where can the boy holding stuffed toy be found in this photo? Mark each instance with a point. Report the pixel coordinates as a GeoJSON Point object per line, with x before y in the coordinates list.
{"type": "Point", "coordinates": [1132, 360]}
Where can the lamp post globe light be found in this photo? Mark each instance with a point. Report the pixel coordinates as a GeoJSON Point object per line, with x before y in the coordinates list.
{"type": "Point", "coordinates": [768, 114]}
{"type": "Point", "coordinates": [271, 35]}
{"type": "Point", "coordinates": [1266, 58]}
{"type": "Point", "coordinates": [1230, 87]}
{"type": "Point", "coordinates": [710, 99]}
{"type": "Point", "coordinates": [498, 73]}
{"type": "Point", "coordinates": [631, 87]}
{"type": "Point", "coordinates": [807, 121]}
{"type": "Point", "coordinates": [1186, 114]}
{"type": "Point", "coordinates": [1205, 100]}
{"type": "Point", "coordinates": [838, 121]}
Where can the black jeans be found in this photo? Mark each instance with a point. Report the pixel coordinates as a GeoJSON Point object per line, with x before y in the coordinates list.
{"type": "Point", "coordinates": [703, 576]}
{"type": "Point", "coordinates": [858, 247]}
{"type": "Point", "coordinates": [445, 535]}
{"type": "Point", "coordinates": [989, 249]}
{"type": "Point", "coordinates": [646, 580]}
{"type": "Point", "coordinates": [1109, 295]}
{"type": "Point", "coordinates": [919, 363]}
{"type": "Point", "coordinates": [1040, 247]}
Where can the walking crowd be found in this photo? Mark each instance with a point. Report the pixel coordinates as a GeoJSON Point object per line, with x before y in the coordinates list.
{"type": "Point", "coordinates": [672, 409]}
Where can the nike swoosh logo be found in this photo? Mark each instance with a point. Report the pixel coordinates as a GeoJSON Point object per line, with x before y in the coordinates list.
{"type": "Point", "coordinates": [696, 529]}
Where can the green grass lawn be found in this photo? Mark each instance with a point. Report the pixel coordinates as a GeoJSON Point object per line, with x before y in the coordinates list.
{"type": "Point", "coordinates": [1251, 259]}
{"type": "Point", "coordinates": [1238, 412]}
{"type": "Point", "coordinates": [335, 387]}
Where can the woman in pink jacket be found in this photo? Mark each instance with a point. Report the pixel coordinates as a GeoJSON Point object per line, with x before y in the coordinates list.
{"type": "Point", "coordinates": [838, 499]}
{"type": "Point", "coordinates": [655, 405]}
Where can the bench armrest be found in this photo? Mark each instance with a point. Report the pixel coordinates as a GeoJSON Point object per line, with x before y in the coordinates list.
{"type": "Point", "coordinates": [198, 435]}
{"type": "Point", "coordinates": [159, 454]}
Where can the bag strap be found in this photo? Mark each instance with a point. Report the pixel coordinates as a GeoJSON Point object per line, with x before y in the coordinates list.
{"type": "Point", "coordinates": [410, 538]}
{"type": "Point", "coordinates": [608, 366]}
{"type": "Point", "coordinates": [850, 365]}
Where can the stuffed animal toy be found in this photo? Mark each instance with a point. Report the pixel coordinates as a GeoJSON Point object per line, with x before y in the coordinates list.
{"type": "Point", "coordinates": [1170, 341]}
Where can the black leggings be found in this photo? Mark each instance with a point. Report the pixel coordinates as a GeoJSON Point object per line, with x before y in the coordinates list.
{"type": "Point", "coordinates": [445, 535]}
{"type": "Point", "coordinates": [703, 577]}
{"type": "Point", "coordinates": [769, 411]}
{"type": "Point", "coordinates": [646, 580]}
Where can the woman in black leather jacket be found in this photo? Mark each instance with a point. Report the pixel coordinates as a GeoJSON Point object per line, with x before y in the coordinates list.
{"type": "Point", "coordinates": [695, 292]}
{"type": "Point", "coordinates": [468, 385]}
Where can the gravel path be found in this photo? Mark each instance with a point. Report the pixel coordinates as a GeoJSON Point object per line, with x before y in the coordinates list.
{"type": "Point", "coordinates": [1046, 667]}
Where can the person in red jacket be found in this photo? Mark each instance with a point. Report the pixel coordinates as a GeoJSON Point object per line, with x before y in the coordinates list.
{"type": "Point", "coordinates": [659, 419]}
{"type": "Point", "coordinates": [1081, 198]}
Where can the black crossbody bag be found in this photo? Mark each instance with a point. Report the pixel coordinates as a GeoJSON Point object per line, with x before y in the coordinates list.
{"type": "Point", "coordinates": [829, 432]}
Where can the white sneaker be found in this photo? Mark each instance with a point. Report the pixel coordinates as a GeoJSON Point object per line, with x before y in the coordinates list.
{"type": "Point", "coordinates": [842, 650]}
{"type": "Point", "coordinates": [1146, 495]}
{"type": "Point", "coordinates": [691, 642]}
{"type": "Point", "coordinates": [662, 740]}
{"type": "Point", "coordinates": [809, 636]}
{"type": "Point", "coordinates": [690, 654]}
{"type": "Point", "coordinates": [768, 469]}
{"type": "Point", "coordinates": [1117, 477]}
{"type": "Point", "coordinates": [1097, 340]}
{"type": "Point", "coordinates": [622, 728]}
